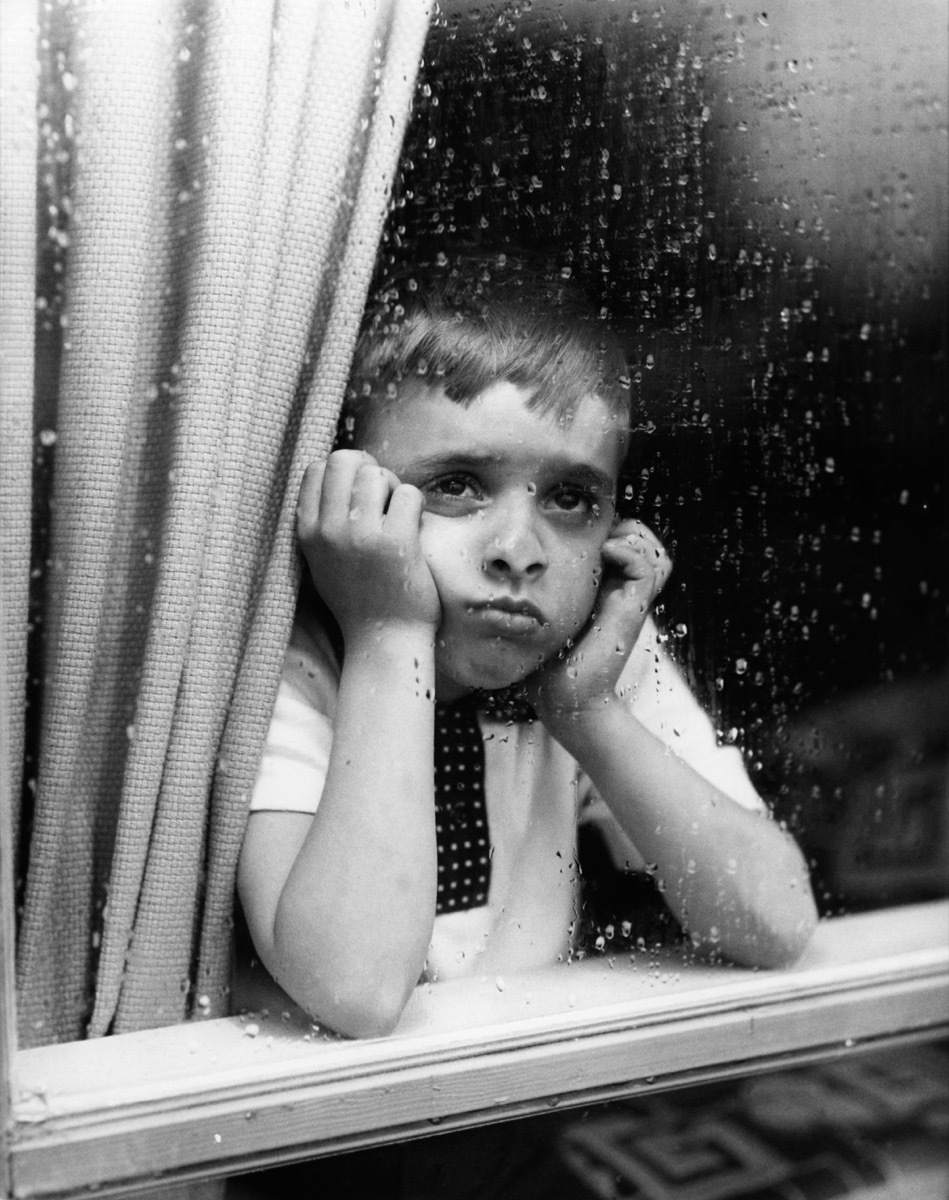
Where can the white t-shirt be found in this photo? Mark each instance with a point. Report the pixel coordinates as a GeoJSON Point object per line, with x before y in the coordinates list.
{"type": "Point", "coordinates": [534, 794]}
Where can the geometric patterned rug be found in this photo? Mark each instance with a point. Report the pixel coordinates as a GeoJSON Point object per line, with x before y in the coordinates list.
{"type": "Point", "coordinates": [872, 1127]}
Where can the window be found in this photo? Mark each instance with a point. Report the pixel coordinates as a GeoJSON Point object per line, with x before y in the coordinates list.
{"type": "Point", "coordinates": [758, 199]}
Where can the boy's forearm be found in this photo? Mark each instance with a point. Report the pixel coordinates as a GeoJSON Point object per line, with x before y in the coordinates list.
{"type": "Point", "coordinates": [354, 920]}
{"type": "Point", "coordinates": [734, 879]}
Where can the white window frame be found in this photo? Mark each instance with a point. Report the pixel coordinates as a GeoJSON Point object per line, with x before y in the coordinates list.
{"type": "Point", "coordinates": [211, 1098]}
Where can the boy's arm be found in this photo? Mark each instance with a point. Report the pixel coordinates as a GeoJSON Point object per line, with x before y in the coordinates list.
{"type": "Point", "coordinates": [341, 905]}
{"type": "Point", "coordinates": [736, 882]}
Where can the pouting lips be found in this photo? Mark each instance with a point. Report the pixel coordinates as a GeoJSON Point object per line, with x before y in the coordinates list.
{"type": "Point", "coordinates": [511, 616]}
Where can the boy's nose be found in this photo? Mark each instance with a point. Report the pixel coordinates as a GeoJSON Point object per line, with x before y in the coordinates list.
{"type": "Point", "coordinates": [514, 550]}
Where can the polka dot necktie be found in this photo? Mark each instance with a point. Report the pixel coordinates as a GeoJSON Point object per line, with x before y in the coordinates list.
{"type": "Point", "coordinates": [461, 818]}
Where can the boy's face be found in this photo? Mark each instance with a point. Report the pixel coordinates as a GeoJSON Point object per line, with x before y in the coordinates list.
{"type": "Point", "coordinates": [518, 505]}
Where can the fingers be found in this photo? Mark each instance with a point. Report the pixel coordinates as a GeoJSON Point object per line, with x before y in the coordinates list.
{"type": "Point", "coordinates": [350, 494]}
{"type": "Point", "coordinates": [371, 488]}
{"type": "Point", "coordinates": [637, 567]}
{"type": "Point", "coordinates": [404, 513]}
{"type": "Point", "coordinates": [638, 553]}
{"type": "Point", "coordinates": [359, 530]}
{"type": "Point", "coordinates": [308, 501]}
{"type": "Point", "coordinates": [349, 486]}
{"type": "Point", "coordinates": [354, 488]}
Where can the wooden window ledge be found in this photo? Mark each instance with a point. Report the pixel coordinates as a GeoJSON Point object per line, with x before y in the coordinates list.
{"type": "Point", "coordinates": [222, 1096]}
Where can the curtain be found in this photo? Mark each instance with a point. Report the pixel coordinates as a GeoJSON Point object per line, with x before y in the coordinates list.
{"type": "Point", "coordinates": [214, 177]}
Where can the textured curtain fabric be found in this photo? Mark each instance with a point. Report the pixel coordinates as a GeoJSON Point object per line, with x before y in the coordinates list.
{"type": "Point", "coordinates": [17, 294]}
{"type": "Point", "coordinates": [219, 175]}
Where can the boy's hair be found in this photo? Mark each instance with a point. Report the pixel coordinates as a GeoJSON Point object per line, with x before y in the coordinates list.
{"type": "Point", "coordinates": [479, 319]}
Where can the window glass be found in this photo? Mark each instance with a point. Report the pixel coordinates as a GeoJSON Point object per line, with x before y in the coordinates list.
{"type": "Point", "coordinates": [756, 199]}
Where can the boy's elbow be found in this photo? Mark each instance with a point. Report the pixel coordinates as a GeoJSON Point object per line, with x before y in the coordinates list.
{"type": "Point", "coordinates": [784, 943]}
{"type": "Point", "coordinates": [765, 938]}
{"type": "Point", "coordinates": [803, 932]}
{"type": "Point", "coordinates": [787, 916]}
{"type": "Point", "coordinates": [364, 1013]}
{"type": "Point", "coordinates": [360, 994]}
{"type": "Point", "coordinates": [355, 1003]}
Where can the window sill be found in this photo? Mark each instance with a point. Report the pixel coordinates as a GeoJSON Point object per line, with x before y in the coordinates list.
{"type": "Point", "coordinates": [223, 1096]}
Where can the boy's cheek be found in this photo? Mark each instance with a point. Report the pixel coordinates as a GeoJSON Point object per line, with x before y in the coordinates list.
{"type": "Point", "coordinates": [445, 547]}
{"type": "Point", "coordinates": [574, 618]}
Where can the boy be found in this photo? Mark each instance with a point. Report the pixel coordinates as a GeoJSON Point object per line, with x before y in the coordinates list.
{"type": "Point", "coordinates": [465, 541]}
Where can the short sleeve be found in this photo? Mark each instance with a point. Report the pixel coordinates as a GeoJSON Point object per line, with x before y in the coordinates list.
{"type": "Point", "coordinates": [659, 697]}
{"type": "Point", "coordinates": [296, 753]}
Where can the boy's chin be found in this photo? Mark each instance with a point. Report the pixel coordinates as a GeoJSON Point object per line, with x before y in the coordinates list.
{"type": "Point", "coordinates": [454, 680]}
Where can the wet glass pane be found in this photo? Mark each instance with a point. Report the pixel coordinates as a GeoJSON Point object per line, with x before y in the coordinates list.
{"type": "Point", "coordinates": [757, 201]}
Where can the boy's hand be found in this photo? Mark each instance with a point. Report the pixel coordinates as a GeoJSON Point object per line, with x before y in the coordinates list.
{"type": "Point", "coordinates": [584, 675]}
{"type": "Point", "coordinates": [359, 531]}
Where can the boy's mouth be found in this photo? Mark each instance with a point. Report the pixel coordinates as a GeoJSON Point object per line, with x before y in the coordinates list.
{"type": "Point", "coordinates": [511, 616]}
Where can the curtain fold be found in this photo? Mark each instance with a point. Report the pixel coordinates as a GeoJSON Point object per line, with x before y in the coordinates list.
{"type": "Point", "coordinates": [18, 137]}
{"type": "Point", "coordinates": [231, 166]}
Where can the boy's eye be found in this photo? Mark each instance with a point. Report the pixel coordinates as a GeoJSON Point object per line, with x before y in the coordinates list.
{"type": "Point", "coordinates": [448, 488]}
{"type": "Point", "coordinates": [452, 485]}
{"type": "Point", "coordinates": [572, 499]}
